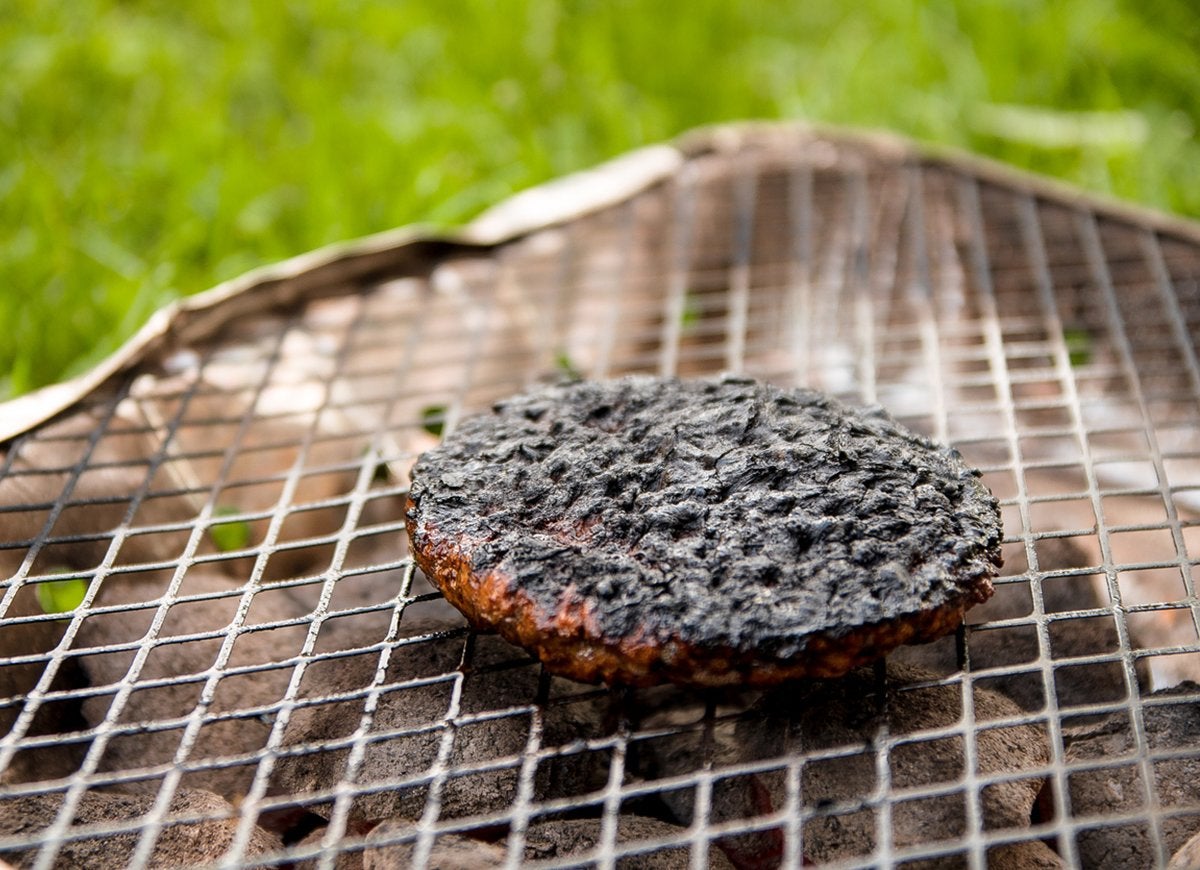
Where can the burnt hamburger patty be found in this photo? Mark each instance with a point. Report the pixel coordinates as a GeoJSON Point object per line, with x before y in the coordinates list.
{"type": "Point", "coordinates": [704, 532]}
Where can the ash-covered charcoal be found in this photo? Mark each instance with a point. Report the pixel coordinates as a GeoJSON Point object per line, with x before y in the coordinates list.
{"type": "Point", "coordinates": [414, 712]}
{"type": "Point", "coordinates": [17, 678]}
{"type": "Point", "coordinates": [849, 713]}
{"type": "Point", "coordinates": [335, 692]}
{"type": "Point", "coordinates": [449, 851]}
{"type": "Point", "coordinates": [346, 859]}
{"type": "Point", "coordinates": [684, 748]}
{"type": "Point", "coordinates": [552, 840]}
{"type": "Point", "coordinates": [1113, 783]}
{"type": "Point", "coordinates": [412, 719]}
{"type": "Point", "coordinates": [688, 744]}
{"type": "Point", "coordinates": [563, 838]}
{"type": "Point", "coordinates": [39, 470]}
{"type": "Point", "coordinates": [98, 496]}
{"type": "Point", "coordinates": [179, 666]}
{"type": "Point", "coordinates": [704, 532]}
{"type": "Point", "coordinates": [198, 829]}
{"type": "Point", "coordinates": [1188, 856]}
{"type": "Point", "coordinates": [1016, 645]}
{"type": "Point", "coordinates": [197, 427]}
{"type": "Point", "coordinates": [1027, 855]}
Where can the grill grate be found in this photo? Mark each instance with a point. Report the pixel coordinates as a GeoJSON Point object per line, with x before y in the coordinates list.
{"type": "Point", "coordinates": [257, 675]}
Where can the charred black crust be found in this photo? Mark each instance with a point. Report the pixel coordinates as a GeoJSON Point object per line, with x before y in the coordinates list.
{"type": "Point", "coordinates": [720, 514]}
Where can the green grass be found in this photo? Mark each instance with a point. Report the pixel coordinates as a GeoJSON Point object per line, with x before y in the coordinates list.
{"type": "Point", "coordinates": [152, 149]}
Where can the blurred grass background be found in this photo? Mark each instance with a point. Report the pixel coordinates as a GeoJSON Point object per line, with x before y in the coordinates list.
{"type": "Point", "coordinates": [152, 149]}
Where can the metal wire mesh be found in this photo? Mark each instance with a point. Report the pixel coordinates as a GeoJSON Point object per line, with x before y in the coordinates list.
{"type": "Point", "coordinates": [257, 675]}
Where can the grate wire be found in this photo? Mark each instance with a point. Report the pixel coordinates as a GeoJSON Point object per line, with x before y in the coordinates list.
{"type": "Point", "coordinates": [1048, 338]}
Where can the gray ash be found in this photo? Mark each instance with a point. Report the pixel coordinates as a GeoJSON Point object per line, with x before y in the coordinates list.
{"type": "Point", "coordinates": [1171, 723]}
{"type": "Point", "coordinates": [106, 827]}
{"type": "Point", "coordinates": [721, 513]}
